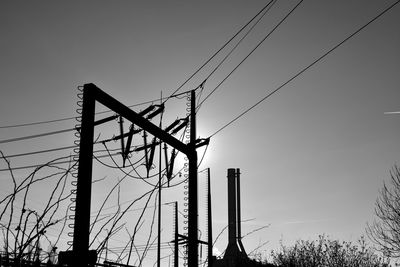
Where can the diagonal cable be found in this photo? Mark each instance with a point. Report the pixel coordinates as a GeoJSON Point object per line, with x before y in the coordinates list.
{"type": "Point", "coordinates": [306, 68]}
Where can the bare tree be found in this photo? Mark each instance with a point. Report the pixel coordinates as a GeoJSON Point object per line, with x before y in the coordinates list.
{"type": "Point", "coordinates": [24, 228]}
{"type": "Point", "coordinates": [385, 231]}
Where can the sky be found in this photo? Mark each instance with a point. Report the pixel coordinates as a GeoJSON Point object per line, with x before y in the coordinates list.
{"type": "Point", "coordinates": [313, 156]}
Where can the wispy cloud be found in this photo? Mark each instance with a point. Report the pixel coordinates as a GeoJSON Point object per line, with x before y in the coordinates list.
{"type": "Point", "coordinates": [392, 112]}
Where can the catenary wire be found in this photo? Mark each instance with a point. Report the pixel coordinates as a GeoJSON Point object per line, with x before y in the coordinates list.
{"type": "Point", "coordinates": [36, 135]}
{"type": "Point", "coordinates": [218, 51]}
{"type": "Point", "coordinates": [264, 9]}
{"type": "Point", "coordinates": [73, 118]}
{"type": "Point", "coordinates": [174, 94]}
{"type": "Point", "coordinates": [40, 151]}
{"type": "Point", "coordinates": [51, 164]}
{"type": "Point", "coordinates": [241, 40]}
{"type": "Point", "coordinates": [306, 68]}
{"type": "Point", "coordinates": [51, 150]}
{"type": "Point", "coordinates": [251, 52]}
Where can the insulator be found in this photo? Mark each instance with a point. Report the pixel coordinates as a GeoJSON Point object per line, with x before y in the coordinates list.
{"type": "Point", "coordinates": [128, 143]}
{"type": "Point", "coordinates": [105, 120]}
{"type": "Point", "coordinates": [151, 157]}
{"type": "Point", "coordinates": [172, 125]}
{"type": "Point", "coordinates": [75, 158]}
{"type": "Point", "coordinates": [146, 110]}
{"type": "Point", "coordinates": [155, 113]}
{"type": "Point", "coordinates": [185, 175]}
{"type": "Point", "coordinates": [177, 129]}
{"type": "Point", "coordinates": [171, 168]}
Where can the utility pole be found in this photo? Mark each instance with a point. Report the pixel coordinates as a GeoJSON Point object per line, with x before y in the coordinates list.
{"type": "Point", "coordinates": [84, 183]}
{"type": "Point", "coordinates": [91, 94]}
{"type": "Point", "coordinates": [239, 216]}
{"type": "Point", "coordinates": [192, 213]}
{"type": "Point", "coordinates": [159, 200]}
{"type": "Point", "coordinates": [209, 226]}
{"type": "Point", "coordinates": [176, 241]}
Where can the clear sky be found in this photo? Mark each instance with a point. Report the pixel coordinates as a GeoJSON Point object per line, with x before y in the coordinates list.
{"type": "Point", "coordinates": [313, 156]}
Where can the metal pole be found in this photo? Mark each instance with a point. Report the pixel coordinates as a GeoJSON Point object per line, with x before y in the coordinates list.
{"type": "Point", "coordinates": [239, 217]}
{"type": "Point", "coordinates": [159, 200]}
{"type": "Point", "coordinates": [192, 214]}
{"type": "Point", "coordinates": [176, 243]}
{"type": "Point", "coordinates": [232, 224]}
{"type": "Point", "coordinates": [84, 184]}
{"type": "Point", "coordinates": [159, 215]}
{"type": "Point", "coordinates": [210, 239]}
{"type": "Point", "coordinates": [239, 228]}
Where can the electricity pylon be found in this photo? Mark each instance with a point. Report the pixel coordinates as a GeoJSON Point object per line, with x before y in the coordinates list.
{"type": "Point", "coordinates": [91, 94]}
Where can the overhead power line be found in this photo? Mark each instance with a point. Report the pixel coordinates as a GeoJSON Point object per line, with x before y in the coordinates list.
{"type": "Point", "coordinates": [36, 135]}
{"type": "Point", "coordinates": [251, 52]}
{"type": "Point", "coordinates": [219, 50]}
{"type": "Point", "coordinates": [40, 151]}
{"type": "Point", "coordinates": [51, 163]}
{"type": "Point", "coordinates": [240, 41]}
{"type": "Point", "coordinates": [306, 68]}
{"type": "Point", "coordinates": [162, 99]}
{"type": "Point", "coordinates": [73, 118]}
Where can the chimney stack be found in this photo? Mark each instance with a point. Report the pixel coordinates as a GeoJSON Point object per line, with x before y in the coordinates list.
{"type": "Point", "coordinates": [235, 249]}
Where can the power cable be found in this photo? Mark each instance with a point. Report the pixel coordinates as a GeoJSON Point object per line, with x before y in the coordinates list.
{"type": "Point", "coordinates": [219, 50]}
{"type": "Point", "coordinates": [51, 164]}
{"type": "Point", "coordinates": [241, 40]}
{"type": "Point", "coordinates": [251, 52]}
{"type": "Point", "coordinates": [58, 131]}
{"type": "Point", "coordinates": [166, 99]}
{"type": "Point", "coordinates": [52, 150]}
{"type": "Point", "coordinates": [40, 151]}
{"type": "Point", "coordinates": [73, 118]}
{"type": "Point", "coordinates": [306, 68]}
{"type": "Point", "coordinates": [36, 135]}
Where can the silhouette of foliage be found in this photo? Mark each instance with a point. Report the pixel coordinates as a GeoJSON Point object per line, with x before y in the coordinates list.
{"type": "Point", "coordinates": [24, 229]}
{"type": "Point", "coordinates": [324, 252]}
{"type": "Point", "coordinates": [385, 232]}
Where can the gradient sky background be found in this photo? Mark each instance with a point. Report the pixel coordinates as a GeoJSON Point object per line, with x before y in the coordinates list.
{"type": "Point", "coordinates": [313, 156]}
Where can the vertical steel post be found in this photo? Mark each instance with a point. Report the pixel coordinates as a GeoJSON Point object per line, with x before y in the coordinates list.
{"type": "Point", "coordinates": [239, 227]}
{"type": "Point", "coordinates": [84, 182]}
{"type": "Point", "coordinates": [239, 217]}
{"type": "Point", "coordinates": [232, 224]}
{"type": "Point", "coordinates": [176, 242]}
{"type": "Point", "coordinates": [192, 214]}
{"type": "Point", "coordinates": [159, 198]}
{"type": "Point", "coordinates": [159, 211]}
{"type": "Point", "coordinates": [209, 214]}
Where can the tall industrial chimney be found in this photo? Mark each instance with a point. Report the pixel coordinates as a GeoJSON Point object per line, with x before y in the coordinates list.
{"type": "Point", "coordinates": [235, 249]}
